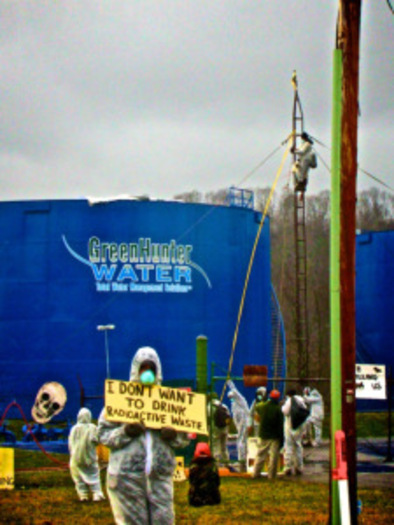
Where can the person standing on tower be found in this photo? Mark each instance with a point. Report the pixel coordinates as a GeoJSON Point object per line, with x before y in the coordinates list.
{"type": "Point", "coordinates": [305, 159]}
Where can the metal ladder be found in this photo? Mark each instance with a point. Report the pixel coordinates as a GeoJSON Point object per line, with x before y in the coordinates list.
{"type": "Point", "coordinates": [301, 307]}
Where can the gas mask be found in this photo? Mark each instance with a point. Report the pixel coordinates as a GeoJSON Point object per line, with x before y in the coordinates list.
{"type": "Point", "coordinates": [148, 372]}
{"type": "Point", "coordinates": [147, 377]}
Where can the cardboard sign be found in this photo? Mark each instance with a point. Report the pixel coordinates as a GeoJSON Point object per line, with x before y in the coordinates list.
{"type": "Point", "coordinates": [155, 406]}
{"type": "Point", "coordinates": [6, 468]}
{"type": "Point", "coordinates": [179, 473]}
{"type": "Point", "coordinates": [255, 375]}
{"type": "Point", "coordinates": [370, 382]}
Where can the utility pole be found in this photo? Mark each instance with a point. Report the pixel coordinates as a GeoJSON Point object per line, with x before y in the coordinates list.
{"type": "Point", "coordinates": [348, 41]}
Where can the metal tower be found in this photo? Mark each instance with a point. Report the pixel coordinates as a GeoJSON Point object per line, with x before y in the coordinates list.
{"type": "Point", "coordinates": [301, 308]}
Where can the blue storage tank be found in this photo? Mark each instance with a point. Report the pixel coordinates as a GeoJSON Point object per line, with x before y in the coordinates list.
{"type": "Point", "coordinates": [375, 301]}
{"type": "Point", "coordinates": [162, 272]}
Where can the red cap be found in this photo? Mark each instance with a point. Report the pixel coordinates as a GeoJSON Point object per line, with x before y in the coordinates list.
{"type": "Point", "coordinates": [275, 394]}
{"type": "Point", "coordinates": [202, 449]}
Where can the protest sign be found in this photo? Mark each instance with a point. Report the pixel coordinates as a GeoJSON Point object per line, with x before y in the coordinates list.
{"type": "Point", "coordinates": [370, 381]}
{"type": "Point", "coordinates": [156, 406]}
{"type": "Point", "coordinates": [6, 468]}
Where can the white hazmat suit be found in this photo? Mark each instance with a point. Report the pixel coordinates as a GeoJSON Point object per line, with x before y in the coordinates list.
{"type": "Point", "coordinates": [240, 413]}
{"type": "Point", "coordinates": [293, 457]}
{"type": "Point", "coordinates": [314, 401]}
{"type": "Point", "coordinates": [84, 467]}
{"type": "Point", "coordinates": [140, 468]}
{"type": "Point", "coordinates": [306, 159]}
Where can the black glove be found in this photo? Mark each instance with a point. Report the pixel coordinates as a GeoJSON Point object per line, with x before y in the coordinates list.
{"type": "Point", "coordinates": [168, 433]}
{"type": "Point", "coordinates": [134, 430]}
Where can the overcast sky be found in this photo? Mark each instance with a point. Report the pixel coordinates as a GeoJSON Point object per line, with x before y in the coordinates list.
{"type": "Point", "coordinates": [159, 97]}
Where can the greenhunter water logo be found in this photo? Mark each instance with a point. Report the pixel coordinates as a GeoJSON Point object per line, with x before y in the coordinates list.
{"type": "Point", "coordinates": [143, 266]}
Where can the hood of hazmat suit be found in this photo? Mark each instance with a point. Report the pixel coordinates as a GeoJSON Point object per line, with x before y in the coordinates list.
{"type": "Point", "coordinates": [84, 416]}
{"type": "Point", "coordinates": [314, 400]}
{"type": "Point", "coordinates": [140, 469]}
{"type": "Point", "coordinates": [146, 354]}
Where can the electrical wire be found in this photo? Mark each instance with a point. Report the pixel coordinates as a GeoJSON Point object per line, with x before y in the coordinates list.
{"type": "Point", "coordinates": [244, 178]}
{"type": "Point", "coordinates": [358, 167]}
{"type": "Point", "coordinates": [376, 179]}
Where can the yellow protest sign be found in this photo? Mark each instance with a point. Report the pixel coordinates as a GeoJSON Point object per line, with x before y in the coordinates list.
{"type": "Point", "coordinates": [155, 406]}
{"type": "Point", "coordinates": [6, 468]}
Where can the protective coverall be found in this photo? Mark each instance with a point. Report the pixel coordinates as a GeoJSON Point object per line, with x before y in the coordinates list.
{"type": "Point", "coordinates": [84, 467]}
{"type": "Point", "coordinates": [219, 433]}
{"type": "Point", "coordinates": [140, 469]}
{"type": "Point", "coordinates": [306, 159]}
{"type": "Point", "coordinates": [293, 457]}
{"type": "Point", "coordinates": [314, 401]}
{"type": "Point", "coordinates": [240, 413]}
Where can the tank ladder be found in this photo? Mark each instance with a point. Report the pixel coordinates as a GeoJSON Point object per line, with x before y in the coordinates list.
{"type": "Point", "coordinates": [301, 307]}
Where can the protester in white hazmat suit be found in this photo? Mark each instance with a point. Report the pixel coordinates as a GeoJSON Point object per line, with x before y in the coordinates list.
{"type": "Point", "coordinates": [84, 467]}
{"type": "Point", "coordinates": [306, 159]}
{"type": "Point", "coordinates": [314, 401]}
{"type": "Point", "coordinates": [240, 413]}
{"type": "Point", "coordinates": [142, 461]}
{"type": "Point", "coordinates": [253, 423]}
{"type": "Point", "coordinates": [293, 456]}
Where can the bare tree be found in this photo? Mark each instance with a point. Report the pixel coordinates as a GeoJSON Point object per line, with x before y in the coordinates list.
{"type": "Point", "coordinates": [217, 197]}
{"type": "Point", "coordinates": [375, 210]}
{"type": "Point", "coordinates": [189, 196]}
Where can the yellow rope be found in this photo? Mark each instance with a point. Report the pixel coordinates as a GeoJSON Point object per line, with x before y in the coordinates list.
{"type": "Point", "coordinates": [241, 306]}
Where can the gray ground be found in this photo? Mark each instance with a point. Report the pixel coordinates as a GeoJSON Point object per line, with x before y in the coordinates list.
{"type": "Point", "coordinates": [373, 469]}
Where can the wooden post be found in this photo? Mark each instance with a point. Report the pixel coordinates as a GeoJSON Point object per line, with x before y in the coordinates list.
{"type": "Point", "coordinates": [348, 41]}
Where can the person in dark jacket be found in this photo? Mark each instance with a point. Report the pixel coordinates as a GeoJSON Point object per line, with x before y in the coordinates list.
{"type": "Point", "coordinates": [270, 434]}
{"type": "Point", "coordinates": [204, 480]}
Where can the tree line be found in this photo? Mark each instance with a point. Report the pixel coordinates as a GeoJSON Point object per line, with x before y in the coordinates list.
{"type": "Point", "coordinates": [375, 212]}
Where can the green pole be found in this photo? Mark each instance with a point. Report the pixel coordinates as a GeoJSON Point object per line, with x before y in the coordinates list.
{"type": "Point", "coordinates": [335, 310]}
{"type": "Point", "coordinates": [212, 390]}
{"type": "Point", "coordinates": [201, 364]}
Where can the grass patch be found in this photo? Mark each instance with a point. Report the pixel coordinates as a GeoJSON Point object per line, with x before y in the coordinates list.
{"type": "Point", "coordinates": [48, 497]}
{"type": "Point", "coordinates": [371, 424]}
{"type": "Point", "coordinates": [368, 424]}
{"type": "Point", "coordinates": [44, 495]}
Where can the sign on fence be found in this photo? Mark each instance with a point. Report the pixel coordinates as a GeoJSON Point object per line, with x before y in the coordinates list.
{"type": "Point", "coordinates": [7, 468]}
{"type": "Point", "coordinates": [370, 382]}
{"type": "Point", "coordinates": [155, 406]}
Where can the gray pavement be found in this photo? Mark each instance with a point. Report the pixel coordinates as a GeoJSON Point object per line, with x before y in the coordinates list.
{"type": "Point", "coordinates": [372, 468]}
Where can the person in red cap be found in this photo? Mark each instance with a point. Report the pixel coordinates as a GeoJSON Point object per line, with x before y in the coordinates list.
{"type": "Point", "coordinates": [270, 434]}
{"type": "Point", "coordinates": [204, 480]}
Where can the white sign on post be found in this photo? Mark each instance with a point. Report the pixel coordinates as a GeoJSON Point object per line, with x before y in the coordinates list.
{"type": "Point", "coordinates": [370, 381]}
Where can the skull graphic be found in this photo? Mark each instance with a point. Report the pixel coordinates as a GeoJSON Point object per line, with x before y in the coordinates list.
{"type": "Point", "coordinates": [50, 400]}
